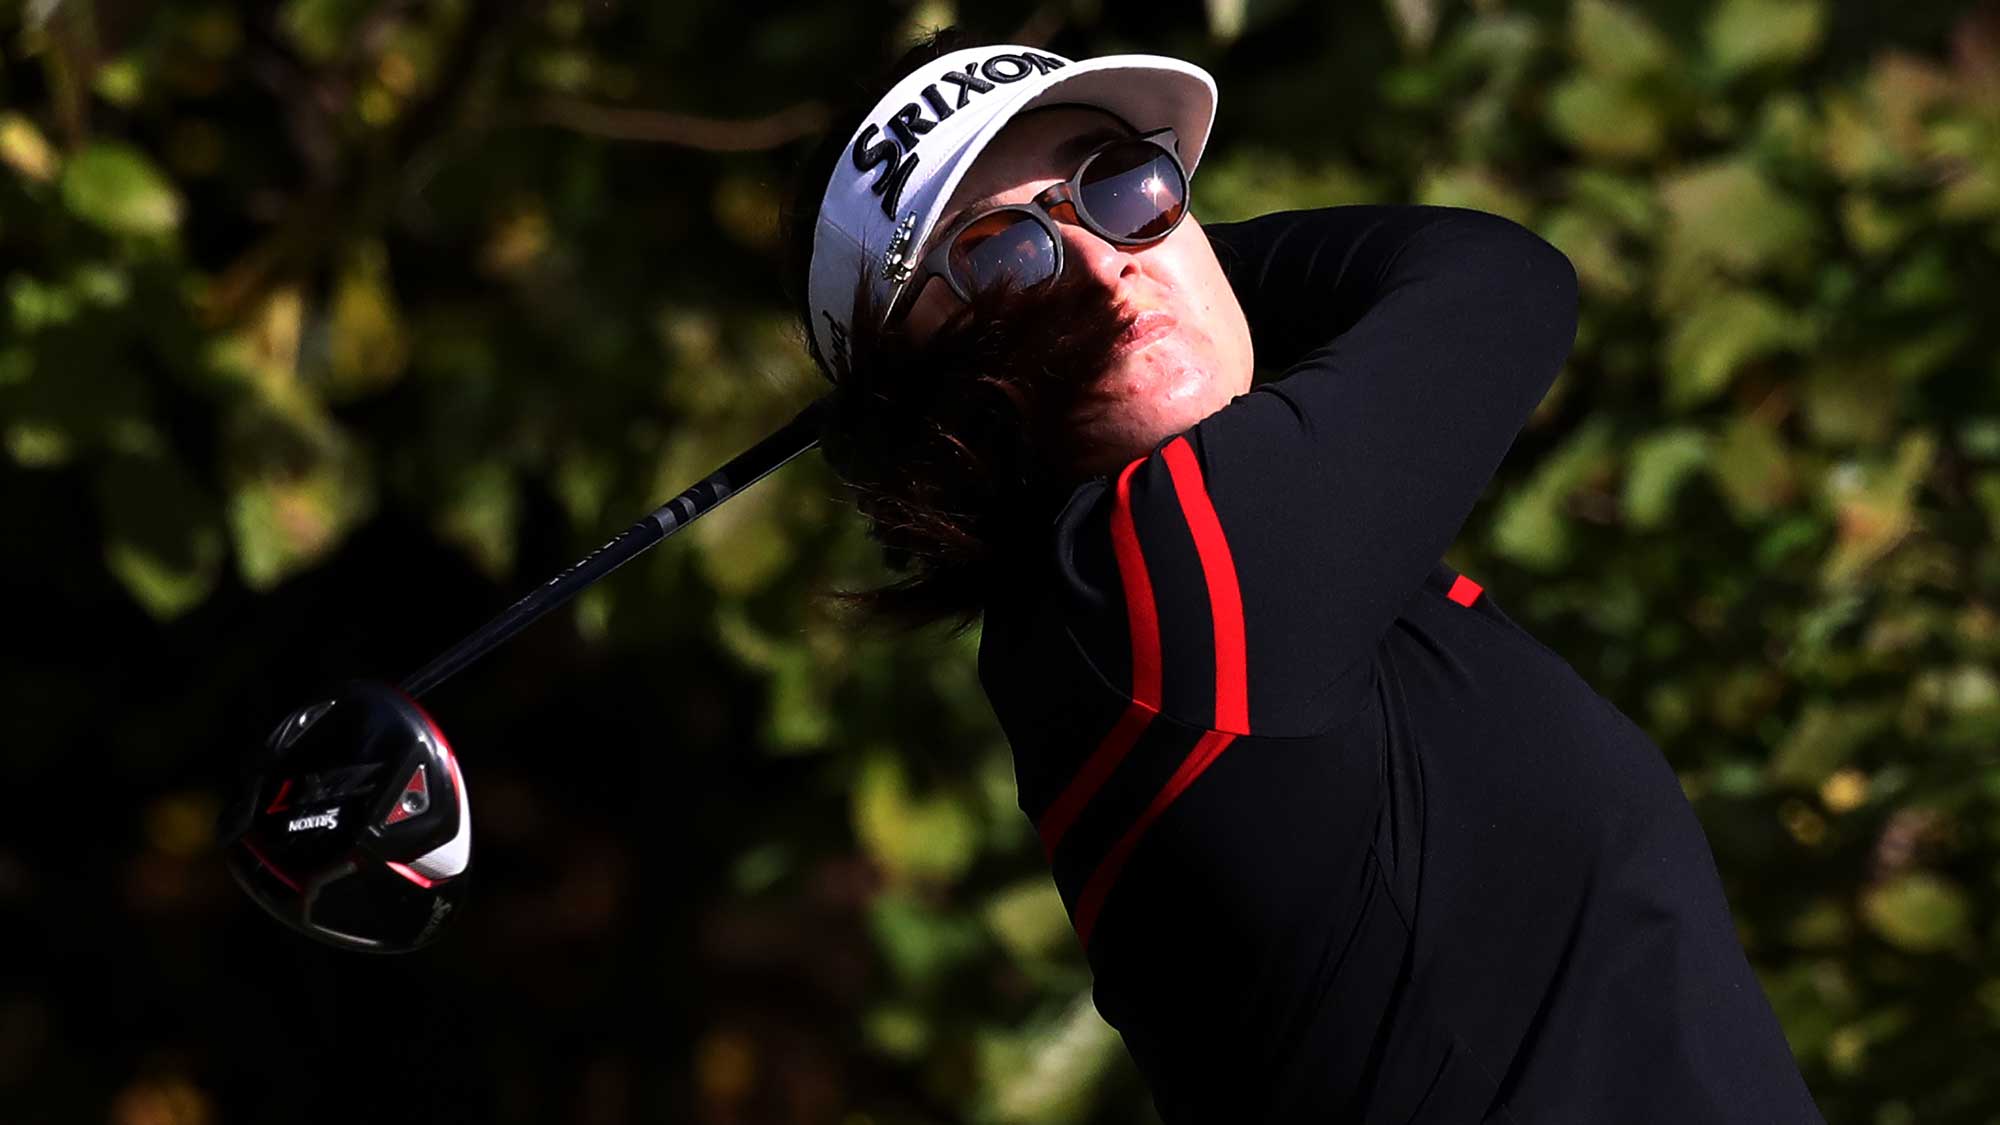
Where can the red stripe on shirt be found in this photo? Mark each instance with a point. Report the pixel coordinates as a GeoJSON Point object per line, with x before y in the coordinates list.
{"type": "Point", "coordinates": [1091, 901]}
{"type": "Point", "coordinates": [1062, 813]}
{"type": "Point", "coordinates": [1463, 590]}
{"type": "Point", "coordinates": [1142, 619]}
{"type": "Point", "coordinates": [1143, 622]}
{"type": "Point", "coordinates": [1225, 599]}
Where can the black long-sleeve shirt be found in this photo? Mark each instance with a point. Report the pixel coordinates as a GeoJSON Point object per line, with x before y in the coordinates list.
{"type": "Point", "coordinates": [1341, 841]}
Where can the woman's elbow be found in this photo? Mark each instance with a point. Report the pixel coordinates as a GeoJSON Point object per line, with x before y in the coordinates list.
{"type": "Point", "coordinates": [1522, 282]}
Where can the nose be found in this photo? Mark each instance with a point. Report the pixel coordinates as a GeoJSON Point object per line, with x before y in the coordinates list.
{"type": "Point", "coordinates": [1110, 265]}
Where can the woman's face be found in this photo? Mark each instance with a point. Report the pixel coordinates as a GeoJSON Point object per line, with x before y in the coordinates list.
{"type": "Point", "coordinates": [1187, 352]}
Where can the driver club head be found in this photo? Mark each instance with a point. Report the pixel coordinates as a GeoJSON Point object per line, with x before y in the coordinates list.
{"type": "Point", "coordinates": [351, 823]}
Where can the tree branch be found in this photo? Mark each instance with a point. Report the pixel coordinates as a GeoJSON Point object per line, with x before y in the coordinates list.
{"type": "Point", "coordinates": [362, 179]}
{"type": "Point", "coordinates": [684, 129]}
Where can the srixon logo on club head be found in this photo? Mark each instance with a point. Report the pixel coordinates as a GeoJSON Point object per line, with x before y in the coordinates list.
{"type": "Point", "coordinates": [953, 91]}
{"type": "Point", "coordinates": [328, 819]}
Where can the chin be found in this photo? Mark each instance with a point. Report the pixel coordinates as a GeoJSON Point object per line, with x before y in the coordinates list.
{"type": "Point", "coordinates": [1119, 431]}
{"type": "Point", "coordinates": [1145, 398]}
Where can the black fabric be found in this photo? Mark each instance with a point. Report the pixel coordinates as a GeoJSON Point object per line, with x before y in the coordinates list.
{"type": "Point", "coordinates": [1435, 877]}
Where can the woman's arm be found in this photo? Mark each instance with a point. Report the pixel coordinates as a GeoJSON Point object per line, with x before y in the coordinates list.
{"type": "Point", "coordinates": [1305, 278]}
{"type": "Point", "coordinates": [1280, 537]}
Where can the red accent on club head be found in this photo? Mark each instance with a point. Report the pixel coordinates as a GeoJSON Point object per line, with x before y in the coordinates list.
{"type": "Point", "coordinates": [444, 745]}
{"type": "Point", "coordinates": [410, 873]}
{"type": "Point", "coordinates": [278, 802]}
{"type": "Point", "coordinates": [271, 867]}
{"type": "Point", "coordinates": [416, 785]}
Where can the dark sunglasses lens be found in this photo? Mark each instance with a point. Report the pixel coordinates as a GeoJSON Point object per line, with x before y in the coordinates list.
{"type": "Point", "coordinates": [1005, 249]}
{"type": "Point", "coordinates": [1134, 191]}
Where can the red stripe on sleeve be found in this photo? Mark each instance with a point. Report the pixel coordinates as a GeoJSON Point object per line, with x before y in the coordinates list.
{"type": "Point", "coordinates": [1140, 615]}
{"type": "Point", "coordinates": [1091, 901]}
{"type": "Point", "coordinates": [1062, 813]}
{"type": "Point", "coordinates": [1225, 598]}
{"type": "Point", "coordinates": [1463, 590]}
{"type": "Point", "coordinates": [1143, 621]}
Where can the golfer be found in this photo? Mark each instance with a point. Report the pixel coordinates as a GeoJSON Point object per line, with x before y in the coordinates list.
{"type": "Point", "coordinates": [1340, 840]}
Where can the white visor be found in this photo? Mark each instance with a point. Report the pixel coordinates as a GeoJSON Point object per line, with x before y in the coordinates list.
{"type": "Point", "coordinates": [900, 168]}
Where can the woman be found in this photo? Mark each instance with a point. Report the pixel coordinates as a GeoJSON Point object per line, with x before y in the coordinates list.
{"type": "Point", "coordinates": [1340, 840]}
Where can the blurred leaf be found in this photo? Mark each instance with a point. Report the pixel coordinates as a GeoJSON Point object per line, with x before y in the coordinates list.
{"type": "Point", "coordinates": [115, 187]}
{"type": "Point", "coordinates": [1607, 119]}
{"type": "Point", "coordinates": [319, 28]}
{"type": "Point", "coordinates": [1627, 201]}
{"type": "Point", "coordinates": [281, 526]}
{"type": "Point", "coordinates": [182, 824]}
{"type": "Point", "coordinates": [1477, 188]}
{"type": "Point", "coordinates": [583, 481]}
{"type": "Point", "coordinates": [166, 1099]}
{"type": "Point", "coordinates": [1788, 132]}
{"type": "Point", "coordinates": [519, 241]}
{"type": "Point", "coordinates": [921, 944]}
{"type": "Point", "coordinates": [1986, 489]}
{"type": "Point", "coordinates": [120, 81]}
{"type": "Point", "coordinates": [1415, 21]}
{"type": "Point", "coordinates": [1824, 924]}
{"type": "Point", "coordinates": [1746, 34]}
{"type": "Point", "coordinates": [796, 716]}
{"type": "Point", "coordinates": [25, 150]}
{"type": "Point", "coordinates": [1715, 338]}
{"type": "Point", "coordinates": [1824, 737]}
{"type": "Point", "coordinates": [368, 348]}
{"type": "Point", "coordinates": [163, 540]}
{"type": "Point", "coordinates": [1924, 280]}
{"type": "Point", "coordinates": [1725, 216]}
{"type": "Point", "coordinates": [1849, 402]}
{"type": "Point", "coordinates": [1857, 146]}
{"type": "Point", "coordinates": [1029, 919]}
{"type": "Point", "coordinates": [1872, 226]}
{"type": "Point", "coordinates": [1659, 463]}
{"type": "Point", "coordinates": [482, 514]}
{"type": "Point", "coordinates": [1531, 528]}
{"type": "Point", "coordinates": [743, 545]}
{"type": "Point", "coordinates": [1052, 1073]}
{"type": "Point", "coordinates": [900, 1031]}
{"type": "Point", "coordinates": [1616, 41]}
{"type": "Point", "coordinates": [1973, 190]}
{"type": "Point", "coordinates": [1242, 183]}
{"type": "Point", "coordinates": [1930, 352]}
{"type": "Point", "coordinates": [1225, 18]}
{"type": "Point", "coordinates": [1873, 506]}
{"type": "Point", "coordinates": [1752, 468]}
{"type": "Point", "coordinates": [748, 209]}
{"type": "Point", "coordinates": [1919, 912]}
{"type": "Point", "coordinates": [38, 445]}
{"type": "Point", "coordinates": [933, 838]}
{"type": "Point", "coordinates": [1591, 243]}
{"type": "Point", "coordinates": [36, 304]}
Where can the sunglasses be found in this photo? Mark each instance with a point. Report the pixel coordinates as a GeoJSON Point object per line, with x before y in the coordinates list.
{"type": "Point", "coordinates": [1132, 191]}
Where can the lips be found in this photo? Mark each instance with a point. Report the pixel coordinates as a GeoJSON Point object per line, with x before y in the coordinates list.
{"type": "Point", "coordinates": [1145, 328]}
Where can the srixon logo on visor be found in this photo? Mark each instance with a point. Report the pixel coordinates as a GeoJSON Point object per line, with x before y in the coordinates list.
{"type": "Point", "coordinates": [891, 145]}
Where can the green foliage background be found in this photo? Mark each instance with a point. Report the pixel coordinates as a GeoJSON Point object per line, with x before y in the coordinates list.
{"type": "Point", "coordinates": [329, 325]}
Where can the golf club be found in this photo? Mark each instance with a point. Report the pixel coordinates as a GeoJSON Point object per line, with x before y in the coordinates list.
{"type": "Point", "coordinates": [350, 822]}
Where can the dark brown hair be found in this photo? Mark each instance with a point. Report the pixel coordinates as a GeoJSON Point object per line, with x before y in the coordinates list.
{"type": "Point", "coordinates": [955, 449]}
